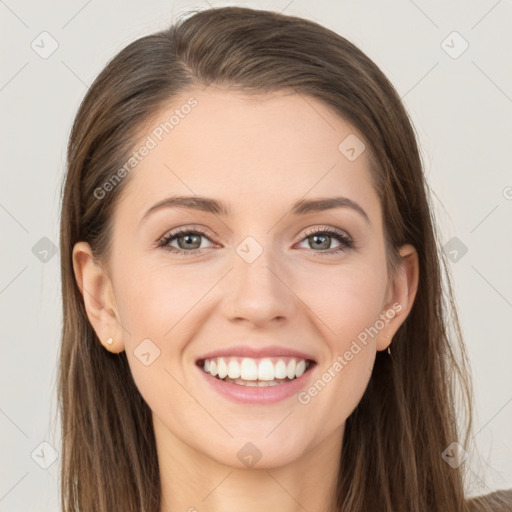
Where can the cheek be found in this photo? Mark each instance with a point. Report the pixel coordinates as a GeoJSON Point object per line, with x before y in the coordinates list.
{"type": "Point", "coordinates": [158, 306]}
{"type": "Point", "coordinates": [339, 387]}
{"type": "Point", "coordinates": [349, 303]}
{"type": "Point", "coordinates": [152, 300]}
{"type": "Point", "coordinates": [342, 378]}
{"type": "Point", "coordinates": [346, 300]}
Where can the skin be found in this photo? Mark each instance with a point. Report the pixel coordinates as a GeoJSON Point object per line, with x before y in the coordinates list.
{"type": "Point", "coordinates": [259, 154]}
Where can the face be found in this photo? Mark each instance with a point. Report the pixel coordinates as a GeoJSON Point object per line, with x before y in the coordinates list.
{"type": "Point", "coordinates": [264, 283]}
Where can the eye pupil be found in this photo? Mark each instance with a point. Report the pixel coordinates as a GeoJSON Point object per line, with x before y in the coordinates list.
{"type": "Point", "coordinates": [325, 237]}
{"type": "Point", "coordinates": [188, 237]}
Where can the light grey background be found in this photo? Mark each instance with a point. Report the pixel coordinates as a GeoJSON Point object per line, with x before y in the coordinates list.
{"type": "Point", "coordinates": [461, 108]}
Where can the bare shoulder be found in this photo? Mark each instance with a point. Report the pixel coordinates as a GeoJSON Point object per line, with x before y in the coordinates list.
{"type": "Point", "coordinates": [499, 501]}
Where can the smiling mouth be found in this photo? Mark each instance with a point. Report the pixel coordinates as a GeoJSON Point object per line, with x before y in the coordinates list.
{"type": "Point", "coordinates": [252, 372]}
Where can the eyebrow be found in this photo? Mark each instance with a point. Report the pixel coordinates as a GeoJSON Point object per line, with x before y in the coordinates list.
{"type": "Point", "coordinates": [216, 207]}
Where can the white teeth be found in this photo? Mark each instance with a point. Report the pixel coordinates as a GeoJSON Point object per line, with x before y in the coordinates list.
{"type": "Point", "coordinates": [266, 370]}
{"type": "Point", "coordinates": [280, 370]}
{"type": "Point", "coordinates": [222, 369]}
{"type": "Point", "coordinates": [290, 369]}
{"type": "Point", "coordinates": [253, 384]}
{"type": "Point", "coordinates": [301, 368]}
{"type": "Point", "coordinates": [233, 369]}
{"type": "Point", "coordinates": [249, 369]}
{"type": "Point", "coordinates": [261, 371]}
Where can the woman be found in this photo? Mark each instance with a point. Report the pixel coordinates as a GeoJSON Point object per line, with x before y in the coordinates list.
{"type": "Point", "coordinates": [253, 309]}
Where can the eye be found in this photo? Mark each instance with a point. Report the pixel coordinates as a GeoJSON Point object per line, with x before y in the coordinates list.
{"type": "Point", "coordinates": [321, 238]}
{"type": "Point", "coordinates": [188, 240]}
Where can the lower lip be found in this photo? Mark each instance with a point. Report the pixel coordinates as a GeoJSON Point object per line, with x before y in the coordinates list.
{"type": "Point", "coordinates": [256, 395]}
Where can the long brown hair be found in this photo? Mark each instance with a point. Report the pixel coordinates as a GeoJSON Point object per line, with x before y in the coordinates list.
{"type": "Point", "coordinates": [394, 439]}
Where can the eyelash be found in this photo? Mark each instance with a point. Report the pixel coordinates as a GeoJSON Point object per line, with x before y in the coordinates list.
{"type": "Point", "coordinates": [346, 243]}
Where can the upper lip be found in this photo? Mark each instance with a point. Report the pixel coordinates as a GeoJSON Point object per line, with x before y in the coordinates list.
{"type": "Point", "coordinates": [256, 353]}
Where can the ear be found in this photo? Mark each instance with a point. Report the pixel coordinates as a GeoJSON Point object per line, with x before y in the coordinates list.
{"type": "Point", "coordinates": [97, 291]}
{"type": "Point", "coordinates": [400, 296]}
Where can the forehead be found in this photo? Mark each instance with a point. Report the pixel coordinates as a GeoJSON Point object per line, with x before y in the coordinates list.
{"type": "Point", "coordinates": [249, 151]}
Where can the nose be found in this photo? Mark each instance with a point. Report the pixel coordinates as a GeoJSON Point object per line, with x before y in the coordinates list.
{"type": "Point", "coordinates": [259, 292]}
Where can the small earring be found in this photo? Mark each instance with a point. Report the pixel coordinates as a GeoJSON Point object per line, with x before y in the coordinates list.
{"type": "Point", "coordinates": [110, 341]}
{"type": "Point", "coordinates": [389, 348]}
